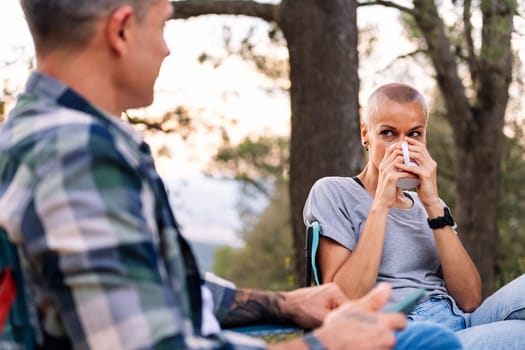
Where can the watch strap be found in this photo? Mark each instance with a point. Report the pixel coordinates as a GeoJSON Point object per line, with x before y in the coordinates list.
{"type": "Point", "coordinates": [441, 221]}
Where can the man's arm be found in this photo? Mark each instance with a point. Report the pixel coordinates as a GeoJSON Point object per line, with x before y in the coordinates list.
{"type": "Point", "coordinates": [305, 307]}
{"type": "Point", "coordinates": [338, 322]}
{"type": "Point", "coordinates": [90, 229]}
{"type": "Point", "coordinates": [251, 306]}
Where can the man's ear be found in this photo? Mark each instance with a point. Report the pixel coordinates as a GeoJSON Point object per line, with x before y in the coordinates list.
{"type": "Point", "coordinates": [118, 28]}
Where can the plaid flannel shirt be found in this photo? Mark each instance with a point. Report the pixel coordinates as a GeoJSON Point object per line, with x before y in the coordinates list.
{"type": "Point", "coordinates": [80, 194]}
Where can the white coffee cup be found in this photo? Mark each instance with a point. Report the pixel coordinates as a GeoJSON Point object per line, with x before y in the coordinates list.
{"type": "Point", "coordinates": [407, 183]}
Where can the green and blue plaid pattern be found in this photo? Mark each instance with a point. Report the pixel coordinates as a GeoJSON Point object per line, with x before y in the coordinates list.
{"type": "Point", "coordinates": [79, 192]}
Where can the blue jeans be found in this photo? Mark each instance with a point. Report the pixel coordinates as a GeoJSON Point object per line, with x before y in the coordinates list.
{"type": "Point", "coordinates": [498, 323]}
{"type": "Point", "coordinates": [427, 336]}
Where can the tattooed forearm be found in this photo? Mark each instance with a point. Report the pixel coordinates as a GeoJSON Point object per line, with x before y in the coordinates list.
{"type": "Point", "coordinates": [255, 307]}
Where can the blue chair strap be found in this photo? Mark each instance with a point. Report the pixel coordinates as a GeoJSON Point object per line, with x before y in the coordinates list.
{"type": "Point", "coordinates": [315, 246]}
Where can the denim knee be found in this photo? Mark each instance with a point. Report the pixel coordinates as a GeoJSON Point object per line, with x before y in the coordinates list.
{"type": "Point", "coordinates": [428, 336]}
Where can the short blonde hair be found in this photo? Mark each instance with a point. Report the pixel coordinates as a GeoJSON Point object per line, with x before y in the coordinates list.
{"type": "Point", "coordinates": [396, 92]}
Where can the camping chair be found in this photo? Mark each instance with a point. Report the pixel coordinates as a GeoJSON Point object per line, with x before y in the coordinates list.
{"type": "Point", "coordinates": [310, 253]}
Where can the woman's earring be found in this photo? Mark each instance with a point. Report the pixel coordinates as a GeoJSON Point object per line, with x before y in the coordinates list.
{"type": "Point", "coordinates": [365, 145]}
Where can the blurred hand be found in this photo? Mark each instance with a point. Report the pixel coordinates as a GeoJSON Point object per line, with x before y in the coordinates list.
{"type": "Point", "coordinates": [307, 307]}
{"type": "Point", "coordinates": [359, 325]}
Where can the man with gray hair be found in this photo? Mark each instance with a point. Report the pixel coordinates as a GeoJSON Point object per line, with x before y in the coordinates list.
{"type": "Point", "coordinates": [80, 195]}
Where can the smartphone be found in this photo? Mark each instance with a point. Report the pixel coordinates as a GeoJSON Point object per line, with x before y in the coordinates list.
{"type": "Point", "coordinates": [408, 303]}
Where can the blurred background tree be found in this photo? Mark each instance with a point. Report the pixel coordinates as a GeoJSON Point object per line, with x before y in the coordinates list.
{"type": "Point", "coordinates": [267, 258]}
{"type": "Point", "coordinates": [473, 71]}
{"type": "Point", "coordinates": [321, 38]}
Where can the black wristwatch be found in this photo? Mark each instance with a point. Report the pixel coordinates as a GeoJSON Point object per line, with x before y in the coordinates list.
{"type": "Point", "coordinates": [441, 221]}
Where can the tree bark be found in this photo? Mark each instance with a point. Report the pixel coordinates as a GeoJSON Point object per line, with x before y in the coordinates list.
{"type": "Point", "coordinates": [322, 44]}
{"type": "Point", "coordinates": [477, 124]}
{"type": "Point", "coordinates": [192, 8]}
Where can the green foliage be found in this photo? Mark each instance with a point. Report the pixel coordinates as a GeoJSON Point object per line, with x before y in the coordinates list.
{"type": "Point", "coordinates": [411, 29]}
{"type": "Point", "coordinates": [258, 164]}
{"type": "Point", "coordinates": [266, 260]}
{"type": "Point", "coordinates": [511, 208]}
{"type": "Point", "coordinates": [223, 260]}
{"type": "Point", "coordinates": [255, 161]}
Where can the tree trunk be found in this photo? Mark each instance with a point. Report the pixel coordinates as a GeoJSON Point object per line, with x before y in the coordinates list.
{"type": "Point", "coordinates": [322, 43]}
{"type": "Point", "coordinates": [482, 148]}
{"type": "Point", "coordinates": [477, 163]}
{"type": "Point", "coordinates": [477, 124]}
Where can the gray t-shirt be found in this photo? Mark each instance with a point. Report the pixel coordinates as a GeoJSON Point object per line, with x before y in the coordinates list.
{"type": "Point", "coordinates": [409, 260]}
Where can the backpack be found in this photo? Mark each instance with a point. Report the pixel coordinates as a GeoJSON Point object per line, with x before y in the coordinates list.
{"type": "Point", "coordinates": [16, 330]}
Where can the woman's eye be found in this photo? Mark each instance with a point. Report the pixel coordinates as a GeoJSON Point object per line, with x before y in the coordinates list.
{"type": "Point", "coordinates": [387, 133]}
{"type": "Point", "coordinates": [415, 134]}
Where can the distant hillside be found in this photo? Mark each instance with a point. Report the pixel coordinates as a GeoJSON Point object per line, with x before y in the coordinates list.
{"type": "Point", "coordinates": [215, 219]}
{"type": "Point", "coordinates": [205, 253]}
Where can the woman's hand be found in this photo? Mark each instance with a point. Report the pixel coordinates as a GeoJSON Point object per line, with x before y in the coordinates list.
{"type": "Point", "coordinates": [426, 171]}
{"type": "Point", "coordinates": [390, 172]}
